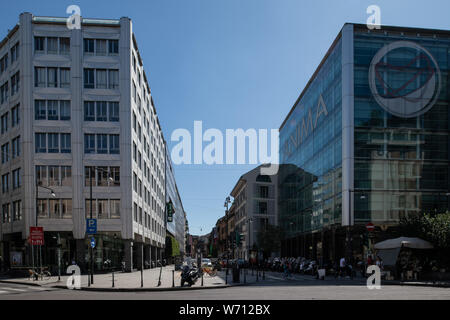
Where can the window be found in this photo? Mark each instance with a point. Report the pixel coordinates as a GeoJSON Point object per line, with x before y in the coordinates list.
{"type": "Point", "coordinates": [134, 92]}
{"type": "Point", "coordinates": [114, 111]}
{"type": "Point", "coordinates": [41, 175]}
{"type": "Point", "coordinates": [53, 176]}
{"type": "Point", "coordinates": [39, 44]}
{"type": "Point", "coordinates": [102, 143]}
{"type": "Point", "coordinates": [42, 208]}
{"type": "Point", "coordinates": [102, 208]}
{"type": "Point", "coordinates": [5, 152]}
{"type": "Point", "coordinates": [115, 209]}
{"type": "Point", "coordinates": [113, 79]}
{"type": "Point", "coordinates": [52, 76]}
{"type": "Point", "coordinates": [17, 210]}
{"type": "Point", "coordinates": [89, 111]}
{"type": "Point", "coordinates": [41, 143]}
{"type": "Point", "coordinates": [89, 79]}
{"type": "Point", "coordinates": [15, 53]}
{"type": "Point", "coordinates": [16, 179]}
{"type": "Point", "coordinates": [113, 46]}
{"type": "Point", "coordinates": [55, 212]}
{"type": "Point", "coordinates": [39, 77]}
{"type": "Point", "coordinates": [65, 77]}
{"type": "Point", "coordinates": [66, 144]}
{"type": "Point", "coordinates": [66, 208]}
{"type": "Point", "coordinates": [64, 46]}
{"type": "Point", "coordinates": [89, 143]}
{"type": "Point", "coordinates": [102, 111]}
{"type": "Point", "coordinates": [114, 147]}
{"type": "Point", "coordinates": [15, 83]}
{"type": "Point", "coordinates": [3, 63]}
{"type": "Point", "coordinates": [16, 147]}
{"type": "Point", "coordinates": [66, 176]}
{"type": "Point", "coordinates": [4, 92]}
{"type": "Point", "coordinates": [115, 174]}
{"type": "Point", "coordinates": [52, 45]}
{"type": "Point", "coordinates": [134, 182]}
{"type": "Point", "coordinates": [40, 111]}
{"type": "Point", "coordinates": [89, 46]}
{"type": "Point", "coordinates": [64, 109]}
{"type": "Point", "coordinates": [4, 123]}
{"type": "Point", "coordinates": [263, 191]}
{"type": "Point", "coordinates": [135, 212]}
{"type": "Point", "coordinates": [52, 110]}
{"type": "Point", "coordinates": [5, 213]}
{"type": "Point", "coordinates": [101, 47]}
{"type": "Point", "coordinates": [53, 143]}
{"type": "Point", "coordinates": [5, 183]}
{"type": "Point", "coordinates": [88, 204]}
{"type": "Point", "coordinates": [15, 116]}
{"type": "Point", "coordinates": [134, 121]}
{"type": "Point", "coordinates": [101, 79]}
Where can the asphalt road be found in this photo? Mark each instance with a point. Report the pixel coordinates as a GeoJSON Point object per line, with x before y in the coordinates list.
{"type": "Point", "coordinates": [275, 290]}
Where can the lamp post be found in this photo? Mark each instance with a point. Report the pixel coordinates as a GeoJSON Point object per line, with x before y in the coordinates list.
{"type": "Point", "coordinates": [91, 278]}
{"type": "Point", "coordinates": [227, 202]}
{"type": "Point", "coordinates": [348, 233]}
{"type": "Point", "coordinates": [36, 219]}
{"type": "Point", "coordinates": [250, 220]}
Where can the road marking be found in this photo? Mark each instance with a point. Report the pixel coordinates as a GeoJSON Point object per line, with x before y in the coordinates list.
{"type": "Point", "coordinates": [14, 289]}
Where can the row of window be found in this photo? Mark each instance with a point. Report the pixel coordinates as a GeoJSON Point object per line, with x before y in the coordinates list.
{"type": "Point", "coordinates": [102, 178]}
{"type": "Point", "coordinates": [101, 111]}
{"type": "Point", "coordinates": [101, 47]}
{"type": "Point", "coordinates": [148, 198]}
{"type": "Point", "coordinates": [101, 79]}
{"type": "Point", "coordinates": [54, 176]}
{"type": "Point", "coordinates": [52, 109]}
{"type": "Point", "coordinates": [52, 45]}
{"type": "Point", "coordinates": [98, 143]}
{"type": "Point", "coordinates": [145, 219]}
{"type": "Point", "coordinates": [17, 180]}
{"type": "Point", "coordinates": [15, 86]}
{"type": "Point", "coordinates": [15, 119]}
{"type": "Point", "coordinates": [51, 77]}
{"type": "Point", "coordinates": [16, 211]}
{"type": "Point", "coordinates": [53, 143]}
{"type": "Point", "coordinates": [14, 58]}
{"type": "Point", "coordinates": [103, 208]}
{"type": "Point", "coordinates": [15, 148]}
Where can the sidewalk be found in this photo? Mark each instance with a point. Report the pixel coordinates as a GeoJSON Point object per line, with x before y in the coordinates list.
{"type": "Point", "coordinates": [131, 281]}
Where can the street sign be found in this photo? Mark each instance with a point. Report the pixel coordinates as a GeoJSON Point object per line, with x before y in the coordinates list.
{"type": "Point", "coordinates": [93, 242]}
{"type": "Point", "coordinates": [91, 226]}
{"type": "Point", "coordinates": [37, 236]}
{"type": "Point", "coordinates": [370, 226]}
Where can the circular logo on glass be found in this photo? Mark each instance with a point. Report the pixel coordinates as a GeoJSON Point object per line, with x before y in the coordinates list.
{"type": "Point", "coordinates": [405, 79]}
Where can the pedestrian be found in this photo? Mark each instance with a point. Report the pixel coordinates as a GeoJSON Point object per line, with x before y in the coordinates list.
{"type": "Point", "coordinates": [342, 265]}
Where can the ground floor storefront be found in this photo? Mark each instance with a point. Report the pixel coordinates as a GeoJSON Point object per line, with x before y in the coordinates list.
{"type": "Point", "coordinates": [61, 249]}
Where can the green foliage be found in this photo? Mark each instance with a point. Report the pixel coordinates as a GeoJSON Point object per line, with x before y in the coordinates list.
{"type": "Point", "coordinates": [269, 240]}
{"type": "Point", "coordinates": [434, 228]}
{"type": "Point", "coordinates": [173, 247]}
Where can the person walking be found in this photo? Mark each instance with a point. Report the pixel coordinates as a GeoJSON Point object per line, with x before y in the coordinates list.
{"type": "Point", "coordinates": [342, 265]}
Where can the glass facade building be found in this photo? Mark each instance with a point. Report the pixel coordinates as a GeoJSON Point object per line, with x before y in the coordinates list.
{"type": "Point", "coordinates": [367, 140]}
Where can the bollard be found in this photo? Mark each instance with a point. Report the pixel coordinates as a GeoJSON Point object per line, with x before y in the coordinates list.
{"type": "Point", "coordinates": [202, 279]}
{"type": "Point", "coordinates": [264, 274]}
{"type": "Point", "coordinates": [113, 278]}
{"type": "Point", "coordinates": [257, 275]}
{"type": "Point", "coordinates": [245, 276]}
{"type": "Point", "coordinates": [173, 278]}
{"type": "Point", "coordinates": [226, 276]}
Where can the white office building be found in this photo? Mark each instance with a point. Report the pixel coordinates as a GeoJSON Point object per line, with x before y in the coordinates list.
{"type": "Point", "coordinates": [72, 103]}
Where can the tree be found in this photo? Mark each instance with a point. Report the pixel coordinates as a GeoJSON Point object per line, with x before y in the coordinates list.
{"type": "Point", "coordinates": [269, 240]}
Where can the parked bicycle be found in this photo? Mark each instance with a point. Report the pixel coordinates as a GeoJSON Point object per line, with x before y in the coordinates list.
{"type": "Point", "coordinates": [44, 274]}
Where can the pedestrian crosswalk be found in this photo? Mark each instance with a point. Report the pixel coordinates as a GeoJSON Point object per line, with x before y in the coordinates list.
{"type": "Point", "coordinates": [6, 289]}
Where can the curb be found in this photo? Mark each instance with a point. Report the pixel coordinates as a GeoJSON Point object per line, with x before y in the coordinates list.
{"type": "Point", "coordinates": [22, 283]}
{"type": "Point", "coordinates": [150, 289]}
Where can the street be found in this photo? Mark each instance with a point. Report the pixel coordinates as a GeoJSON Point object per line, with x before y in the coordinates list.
{"type": "Point", "coordinates": [269, 290]}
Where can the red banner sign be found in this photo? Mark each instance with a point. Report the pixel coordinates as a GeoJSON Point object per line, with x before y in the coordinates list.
{"type": "Point", "coordinates": [37, 236]}
{"type": "Point", "coordinates": [370, 226]}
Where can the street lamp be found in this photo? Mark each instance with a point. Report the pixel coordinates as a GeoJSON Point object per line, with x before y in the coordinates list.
{"type": "Point", "coordinates": [250, 220]}
{"type": "Point", "coordinates": [110, 179]}
{"type": "Point", "coordinates": [227, 202]}
{"type": "Point", "coordinates": [348, 235]}
{"type": "Point", "coordinates": [36, 218]}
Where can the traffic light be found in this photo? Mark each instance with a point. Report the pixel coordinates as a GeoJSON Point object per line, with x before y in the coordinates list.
{"type": "Point", "coordinates": [241, 239]}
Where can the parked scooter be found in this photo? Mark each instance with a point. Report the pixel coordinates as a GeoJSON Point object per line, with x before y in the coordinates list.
{"type": "Point", "coordinates": [189, 275]}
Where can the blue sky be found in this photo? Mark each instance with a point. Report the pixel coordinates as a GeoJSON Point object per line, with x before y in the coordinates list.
{"type": "Point", "coordinates": [230, 63]}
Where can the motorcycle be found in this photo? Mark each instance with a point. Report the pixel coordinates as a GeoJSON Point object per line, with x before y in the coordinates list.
{"type": "Point", "coordinates": [189, 275]}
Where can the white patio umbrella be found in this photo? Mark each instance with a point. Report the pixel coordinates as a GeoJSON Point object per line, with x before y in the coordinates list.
{"type": "Point", "coordinates": [414, 243]}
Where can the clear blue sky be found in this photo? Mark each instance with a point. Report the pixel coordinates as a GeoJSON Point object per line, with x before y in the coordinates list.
{"type": "Point", "coordinates": [230, 63]}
